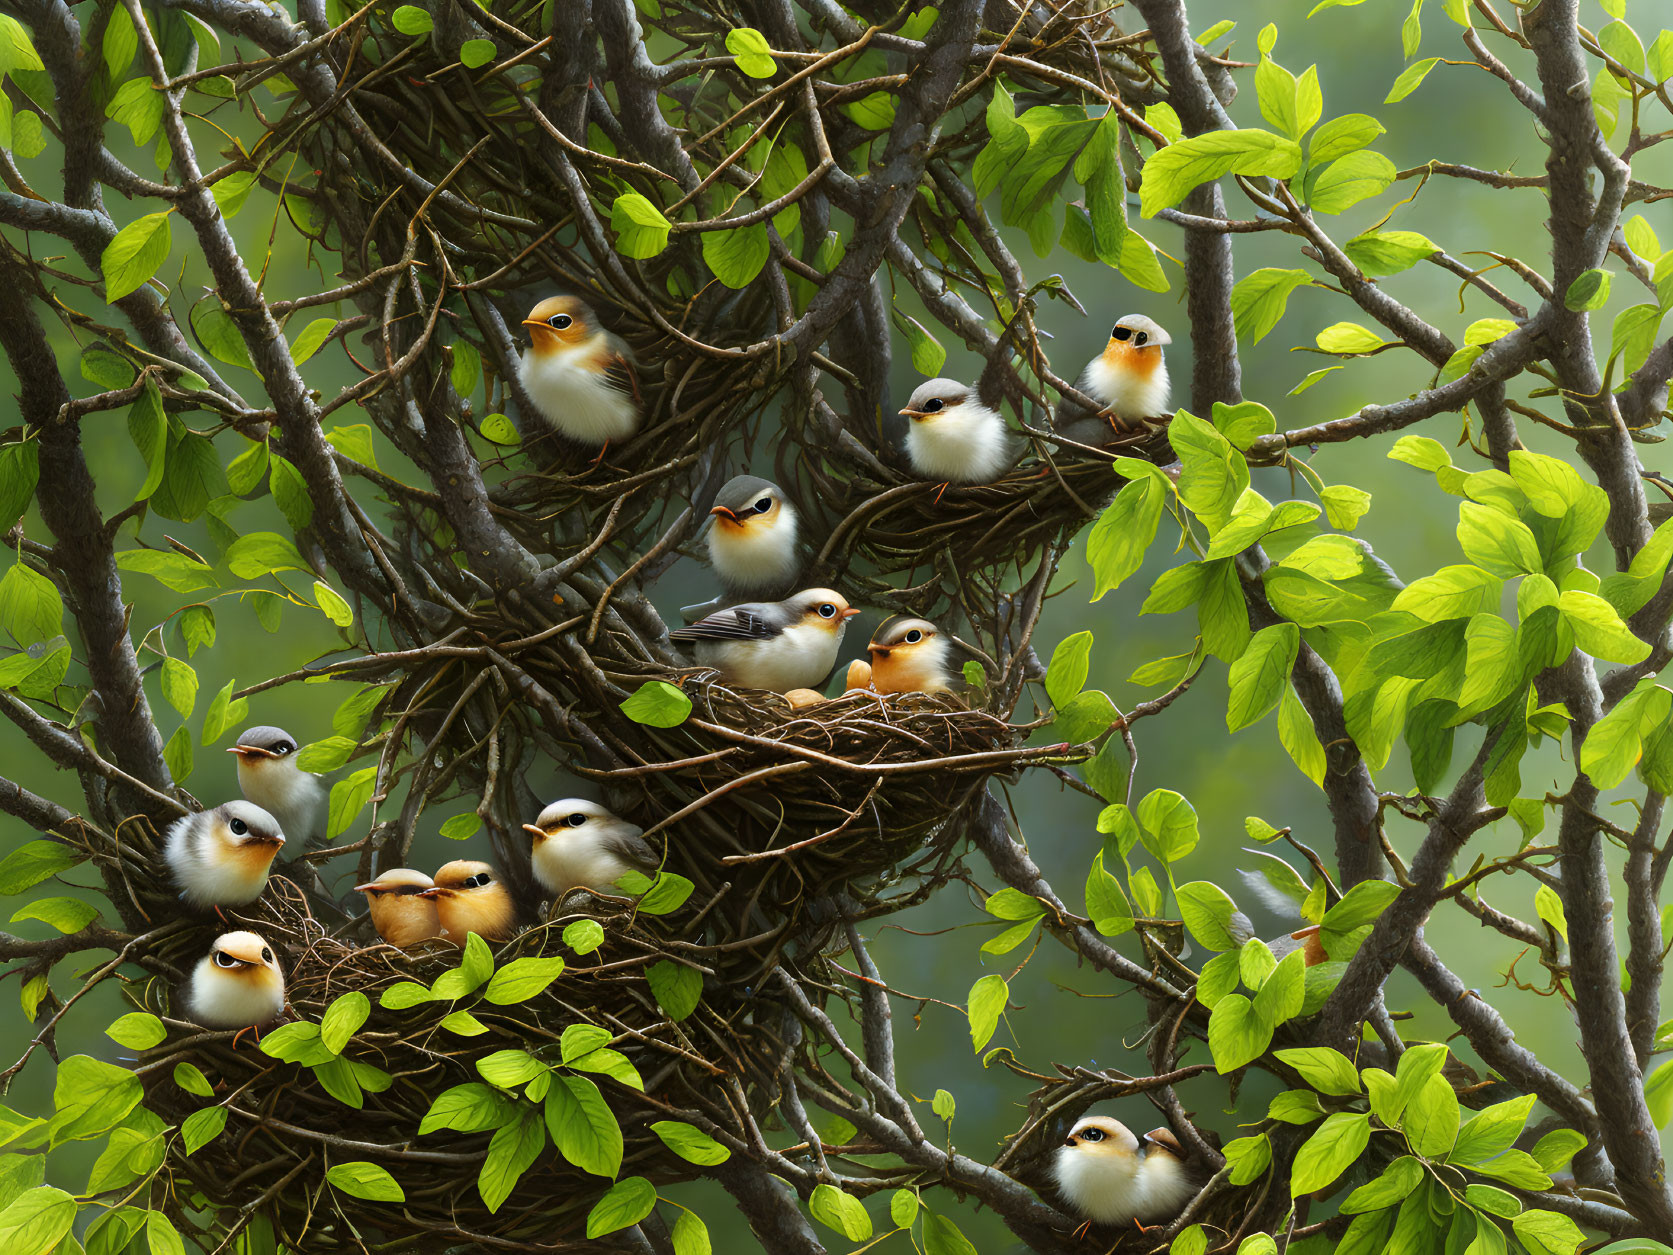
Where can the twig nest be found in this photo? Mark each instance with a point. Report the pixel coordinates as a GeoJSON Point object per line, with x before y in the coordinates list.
{"type": "Point", "coordinates": [473, 1096]}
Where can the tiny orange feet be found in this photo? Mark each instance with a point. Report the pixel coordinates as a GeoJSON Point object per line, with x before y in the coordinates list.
{"type": "Point", "coordinates": [1083, 1232]}
{"type": "Point", "coordinates": [600, 458]}
{"type": "Point", "coordinates": [248, 1028]}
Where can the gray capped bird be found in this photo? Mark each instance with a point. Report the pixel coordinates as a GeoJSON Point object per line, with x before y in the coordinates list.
{"type": "Point", "coordinates": [580, 845]}
{"type": "Point", "coordinates": [1129, 379]}
{"type": "Point", "coordinates": [778, 645]}
{"type": "Point", "coordinates": [222, 857]}
{"type": "Point", "coordinates": [269, 777]}
{"type": "Point", "coordinates": [952, 436]}
{"type": "Point", "coordinates": [238, 984]}
{"type": "Point", "coordinates": [753, 539]}
{"type": "Point", "coordinates": [910, 656]}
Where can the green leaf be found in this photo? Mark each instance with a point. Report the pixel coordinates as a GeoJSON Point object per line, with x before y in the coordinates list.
{"type": "Point", "coordinates": [365, 1180]}
{"type": "Point", "coordinates": [139, 106]}
{"type": "Point", "coordinates": [1115, 548]}
{"type": "Point", "coordinates": [737, 254]}
{"type": "Point", "coordinates": [30, 606]}
{"type": "Point", "coordinates": [1296, 734]}
{"type": "Point", "coordinates": [1066, 674]}
{"type": "Point", "coordinates": [511, 1152]}
{"type": "Point", "coordinates": [943, 1237]}
{"type": "Point", "coordinates": [1597, 628]}
{"type": "Point", "coordinates": [657, 704]}
{"type": "Point", "coordinates": [1497, 542]}
{"type": "Point", "coordinates": [1236, 1035]}
{"type": "Point", "coordinates": [189, 1078]}
{"type": "Point", "coordinates": [138, 1030]}
{"type": "Point", "coordinates": [641, 230]}
{"type": "Point", "coordinates": [1359, 908]}
{"type": "Point", "coordinates": [343, 1019]}
{"type": "Point", "coordinates": [583, 936]}
{"type": "Point", "coordinates": [19, 473]}
{"type": "Point", "coordinates": [36, 1220]}
{"type": "Point", "coordinates": [1177, 169]}
{"type": "Point", "coordinates": [842, 1212]}
{"type": "Point", "coordinates": [475, 53]}
{"type": "Point", "coordinates": [1553, 1151]}
{"type": "Point", "coordinates": [507, 1069]}
{"type": "Point", "coordinates": [202, 1127]}
{"type": "Point", "coordinates": [668, 893]}
{"type": "Point", "coordinates": [903, 1208]}
{"type": "Point", "coordinates": [1326, 1070]}
{"type": "Point", "coordinates": [1348, 180]}
{"type": "Point", "coordinates": [690, 1143]}
{"type": "Point", "coordinates": [1169, 823]}
{"type": "Point", "coordinates": [987, 1000]}
{"type": "Point", "coordinates": [1330, 1151]}
{"type": "Point", "coordinates": [1342, 136]}
{"type": "Point", "coordinates": [625, 1203]}
{"type": "Point", "coordinates": [135, 254]}
{"type": "Point", "coordinates": [1283, 994]}
{"type": "Point", "coordinates": [1548, 1232]}
{"type": "Point", "coordinates": [1390, 1189]}
{"type": "Point", "coordinates": [411, 20]}
{"type": "Point", "coordinates": [1106, 905]}
{"type": "Point", "coordinates": [751, 52]}
{"type": "Point", "coordinates": [691, 1235]}
{"type": "Point", "coordinates": [1261, 675]}
{"type": "Point", "coordinates": [1431, 1119]}
{"type": "Point", "coordinates": [1247, 1158]}
{"type": "Point", "coordinates": [67, 915]}
{"type": "Point", "coordinates": [1380, 253]}
{"type": "Point", "coordinates": [522, 979]}
{"type": "Point", "coordinates": [875, 112]}
{"type": "Point", "coordinates": [262, 553]}
{"type": "Point", "coordinates": [582, 1126]}
{"type": "Point", "coordinates": [676, 987]}
{"type": "Point", "coordinates": [464, 1024]}
{"type": "Point", "coordinates": [1296, 1106]}
{"type": "Point", "coordinates": [33, 862]}
{"type": "Point", "coordinates": [1492, 1131]}
{"type": "Point", "coordinates": [1590, 290]}
{"type": "Point", "coordinates": [296, 1042]}
{"type": "Point", "coordinates": [469, 1108]}
{"type": "Point", "coordinates": [1207, 912]}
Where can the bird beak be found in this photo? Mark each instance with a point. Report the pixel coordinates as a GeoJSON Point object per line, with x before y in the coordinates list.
{"type": "Point", "coordinates": [250, 751]}
{"type": "Point", "coordinates": [909, 412]}
{"type": "Point", "coordinates": [437, 892]}
{"type": "Point", "coordinates": [1071, 1141]}
{"type": "Point", "coordinates": [538, 833]}
{"type": "Point", "coordinates": [373, 889]}
{"type": "Point", "coordinates": [276, 840]}
{"type": "Point", "coordinates": [721, 511]}
{"type": "Point", "coordinates": [848, 614]}
{"type": "Point", "coordinates": [878, 651]}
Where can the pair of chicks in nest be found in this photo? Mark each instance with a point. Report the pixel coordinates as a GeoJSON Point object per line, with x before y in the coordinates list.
{"type": "Point", "coordinates": [584, 385]}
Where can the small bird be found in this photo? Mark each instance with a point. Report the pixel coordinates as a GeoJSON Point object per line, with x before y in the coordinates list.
{"type": "Point", "coordinates": [752, 540]}
{"type": "Point", "coordinates": [1111, 1178]}
{"type": "Point", "coordinates": [952, 436]}
{"type": "Point", "coordinates": [471, 898]}
{"type": "Point", "coordinates": [1129, 378]}
{"type": "Point", "coordinates": [238, 984]}
{"type": "Point", "coordinates": [401, 913]}
{"type": "Point", "coordinates": [580, 845]}
{"type": "Point", "coordinates": [221, 857]}
{"type": "Point", "coordinates": [580, 376]}
{"type": "Point", "coordinates": [909, 656]}
{"type": "Point", "coordinates": [778, 645]}
{"type": "Point", "coordinates": [269, 777]}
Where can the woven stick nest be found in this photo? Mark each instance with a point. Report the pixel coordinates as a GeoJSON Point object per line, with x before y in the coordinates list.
{"type": "Point", "coordinates": [290, 1122]}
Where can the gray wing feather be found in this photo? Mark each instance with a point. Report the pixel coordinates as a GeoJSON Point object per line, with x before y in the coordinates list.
{"type": "Point", "coordinates": [633, 848]}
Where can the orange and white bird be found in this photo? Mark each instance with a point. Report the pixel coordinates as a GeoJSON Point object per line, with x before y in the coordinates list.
{"type": "Point", "coordinates": [778, 645]}
{"type": "Point", "coordinates": [580, 376]}
{"type": "Point", "coordinates": [1110, 1177]}
{"type": "Point", "coordinates": [222, 857]}
{"type": "Point", "coordinates": [1129, 379]}
{"type": "Point", "coordinates": [952, 436]}
{"type": "Point", "coordinates": [269, 777]}
{"type": "Point", "coordinates": [910, 656]}
{"type": "Point", "coordinates": [753, 543]}
{"type": "Point", "coordinates": [471, 898]}
{"type": "Point", "coordinates": [401, 913]}
{"type": "Point", "coordinates": [238, 984]}
{"type": "Point", "coordinates": [580, 845]}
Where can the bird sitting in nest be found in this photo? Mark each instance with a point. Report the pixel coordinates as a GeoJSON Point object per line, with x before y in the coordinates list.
{"type": "Point", "coordinates": [753, 544]}
{"type": "Point", "coordinates": [954, 437]}
{"type": "Point", "coordinates": [907, 656]}
{"type": "Point", "coordinates": [1109, 1177]}
{"type": "Point", "coordinates": [777, 645]}
{"type": "Point", "coordinates": [471, 898]}
{"type": "Point", "coordinates": [238, 985]}
{"type": "Point", "coordinates": [580, 845]}
{"type": "Point", "coordinates": [400, 912]}
{"type": "Point", "coordinates": [222, 857]}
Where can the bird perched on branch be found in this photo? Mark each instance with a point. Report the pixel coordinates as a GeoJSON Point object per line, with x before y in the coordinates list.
{"type": "Point", "coordinates": [400, 912]}
{"type": "Point", "coordinates": [238, 984]}
{"type": "Point", "coordinates": [909, 656]}
{"type": "Point", "coordinates": [580, 376]}
{"type": "Point", "coordinates": [778, 645]}
{"type": "Point", "coordinates": [953, 436]}
{"type": "Point", "coordinates": [269, 777]}
{"type": "Point", "coordinates": [222, 857]}
{"type": "Point", "coordinates": [580, 845]}
{"type": "Point", "coordinates": [471, 898]}
{"type": "Point", "coordinates": [1129, 379]}
{"type": "Point", "coordinates": [753, 543]}
{"type": "Point", "coordinates": [1110, 1177]}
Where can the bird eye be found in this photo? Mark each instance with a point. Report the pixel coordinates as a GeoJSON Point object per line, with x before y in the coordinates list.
{"type": "Point", "coordinates": [1121, 333]}
{"type": "Point", "coordinates": [223, 959]}
{"type": "Point", "coordinates": [239, 827]}
{"type": "Point", "coordinates": [266, 955]}
{"type": "Point", "coordinates": [763, 505]}
{"type": "Point", "coordinates": [576, 820]}
{"type": "Point", "coordinates": [933, 406]}
{"type": "Point", "coordinates": [914, 636]}
{"type": "Point", "coordinates": [1140, 338]}
{"type": "Point", "coordinates": [827, 611]}
{"type": "Point", "coordinates": [1093, 1135]}
{"type": "Point", "coordinates": [560, 321]}
{"type": "Point", "coordinates": [283, 748]}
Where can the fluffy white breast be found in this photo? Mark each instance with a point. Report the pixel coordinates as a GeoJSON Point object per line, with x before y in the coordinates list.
{"type": "Point", "coordinates": [800, 657]}
{"type": "Point", "coordinates": [241, 998]}
{"type": "Point", "coordinates": [562, 863]}
{"type": "Point", "coordinates": [576, 400]}
{"type": "Point", "coordinates": [756, 557]}
{"type": "Point", "coordinates": [290, 795]}
{"type": "Point", "coordinates": [964, 445]}
{"type": "Point", "coordinates": [211, 872]}
{"type": "Point", "coordinates": [1118, 1189]}
{"type": "Point", "coordinates": [1127, 394]}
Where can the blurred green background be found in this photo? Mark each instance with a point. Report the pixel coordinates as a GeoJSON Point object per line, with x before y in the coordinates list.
{"type": "Point", "coordinates": [1064, 1012]}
